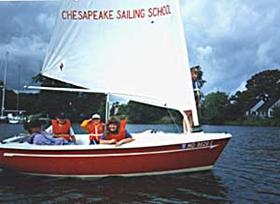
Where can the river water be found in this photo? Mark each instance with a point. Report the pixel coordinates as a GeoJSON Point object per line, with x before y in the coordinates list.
{"type": "Point", "coordinates": [248, 171]}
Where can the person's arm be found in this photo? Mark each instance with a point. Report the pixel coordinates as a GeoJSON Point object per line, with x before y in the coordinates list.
{"type": "Point", "coordinates": [40, 139]}
{"type": "Point", "coordinates": [104, 141]}
{"type": "Point", "coordinates": [84, 124]}
{"type": "Point", "coordinates": [128, 138]}
{"type": "Point", "coordinates": [72, 135]}
{"type": "Point", "coordinates": [112, 141]}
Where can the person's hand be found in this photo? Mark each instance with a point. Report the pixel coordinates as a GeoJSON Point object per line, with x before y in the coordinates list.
{"type": "Point", "coordinates": [119, 143]}
{"type": "Point", "coordinates": [112, 141]}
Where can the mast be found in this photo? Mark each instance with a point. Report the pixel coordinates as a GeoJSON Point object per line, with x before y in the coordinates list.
{"type": "Point", "coordinates": [4, 85]}
{"type": "Point", "coordinates": [107, 108]}
{"type": "Point", "coordinates": [18, 92]}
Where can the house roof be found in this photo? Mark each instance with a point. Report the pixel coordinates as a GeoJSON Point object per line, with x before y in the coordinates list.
{"type": "Point", "coordinates": [268, 104]}
{"type": "Point", "coordinates": [256, 104]}
{"type": "Point", "coordinates": [253, 103]}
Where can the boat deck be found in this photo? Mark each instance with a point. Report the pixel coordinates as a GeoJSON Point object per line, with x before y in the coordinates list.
{"type": "Point", "coordinates": [144, 139]}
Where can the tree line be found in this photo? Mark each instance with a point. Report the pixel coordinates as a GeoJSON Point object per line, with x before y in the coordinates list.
{"type": "Point", "coordinates": [217, 107]}
{"type": "Point", "coordinates": [220, 107]}
{"type": "Point", "coordinates": [79, 105]}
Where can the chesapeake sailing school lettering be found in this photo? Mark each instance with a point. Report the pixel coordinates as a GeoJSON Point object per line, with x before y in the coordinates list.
{"type": "Point", "coordinates": [116, 14]}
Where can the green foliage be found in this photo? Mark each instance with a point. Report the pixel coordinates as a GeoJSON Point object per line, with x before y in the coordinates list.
{"type": "Point", "coordinates": [266, 82]}
{"type": "Point", "coordinates": [276, 113]}
{"type": "Point", "coordinates": [215, 107]}
{"type": "Point", "coordinates": [141, 113]}
{"type": "Point", "coordinates": [264, 85]}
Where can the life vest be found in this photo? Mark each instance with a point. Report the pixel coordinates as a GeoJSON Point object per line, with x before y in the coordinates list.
{"type": "Point", "coordinates": [196, 88]}
{"type": "Point", "coordinates": [58, 129]}
{"type": "Point", "coordinates": [95, 131]}
{"type": "Point", "coordinates": [121, 133]}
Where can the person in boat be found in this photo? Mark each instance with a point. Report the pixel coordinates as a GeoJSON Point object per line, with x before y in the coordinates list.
{"type": "Point", "coordinates": [197, 84]}
{"type": "Point", "coordinates": [116, 133]}
{"type": "Point", "coordinates": [40, 137]}
{"type": "Point", "coordinates": [61, 128]}
{"type": "Point", "coordinates": [95, 127]}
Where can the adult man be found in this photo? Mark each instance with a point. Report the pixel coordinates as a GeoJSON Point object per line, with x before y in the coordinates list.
{"type": "Point", "coordinates": [61, 128]}
{"type": "Point", "coordinates": [95, 127]}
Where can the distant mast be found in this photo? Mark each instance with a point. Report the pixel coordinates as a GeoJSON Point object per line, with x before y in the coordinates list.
{"type": "Point", "coordinates": [5, 65]}
{"type": "Point", "coordinates": [19, 88]}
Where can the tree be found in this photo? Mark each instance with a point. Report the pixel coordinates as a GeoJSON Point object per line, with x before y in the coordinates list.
{"type": "Point", "coordinates": [276, 112]}
{"type": "Point", "coordinates": [266, 82]}
{"type": "Point", "coordinates": [263, 85]}
{"type": "Point", "coordinates": [214, 108]}
{"type": "Point", "coordinates": [77, 105]}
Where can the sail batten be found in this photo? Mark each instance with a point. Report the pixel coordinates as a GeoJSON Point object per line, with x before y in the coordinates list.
{"type": "Point", "coordinates": [123, 46]}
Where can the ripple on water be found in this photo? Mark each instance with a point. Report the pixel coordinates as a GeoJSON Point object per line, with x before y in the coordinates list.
{"type": "Point", "coordinates": [248, 171]}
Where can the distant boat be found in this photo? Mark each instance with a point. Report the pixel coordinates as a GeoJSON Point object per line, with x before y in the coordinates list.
{"type": "Point", "coordinates": [3, 119]}
{"type": "Point", "coordinates": [13, 119]}
{"type": "Point", "coordinates": [10, 118]}
{"type": "Point", "coordinates": [130, 48]}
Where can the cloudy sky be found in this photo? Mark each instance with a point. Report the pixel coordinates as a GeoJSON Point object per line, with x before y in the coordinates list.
{"type": "Point", "coordinates": [230, 39]}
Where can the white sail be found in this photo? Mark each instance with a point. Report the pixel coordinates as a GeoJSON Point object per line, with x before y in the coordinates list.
{"type": "Point", "coordinates": [123, 46]}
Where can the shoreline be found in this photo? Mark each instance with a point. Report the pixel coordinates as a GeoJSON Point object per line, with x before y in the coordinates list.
{"type": "Point", "coordinates": [248, 122]}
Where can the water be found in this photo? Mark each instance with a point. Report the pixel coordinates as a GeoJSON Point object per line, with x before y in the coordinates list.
{"type": "Point", "coordinates": [247, 172]}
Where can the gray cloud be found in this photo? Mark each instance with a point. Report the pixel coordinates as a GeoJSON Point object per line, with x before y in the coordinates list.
{"type": "Point", "coordinates": [231, 40]}
{"type": "Point", "coordinates": [25, 33]}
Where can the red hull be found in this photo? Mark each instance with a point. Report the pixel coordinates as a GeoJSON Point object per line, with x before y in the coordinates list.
{"type": "Point", "coordinates": [122, 161]}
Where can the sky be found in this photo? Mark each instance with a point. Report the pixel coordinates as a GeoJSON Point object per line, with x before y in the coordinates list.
{"type": "Point", "coordinates": [230, 40]}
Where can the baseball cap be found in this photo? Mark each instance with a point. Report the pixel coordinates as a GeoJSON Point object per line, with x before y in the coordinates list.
{"type": "Point", "coordinates": [95, 116]}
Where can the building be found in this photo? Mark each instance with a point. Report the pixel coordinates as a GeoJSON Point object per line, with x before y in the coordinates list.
{"type": "Point", "coordinates": [263, 108]}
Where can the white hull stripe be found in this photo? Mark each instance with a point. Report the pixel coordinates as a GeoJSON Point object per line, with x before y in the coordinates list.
{"type": "Point", "coordinates": [203, 168]}
{"type": "Point", "coordinates": [106, 155]}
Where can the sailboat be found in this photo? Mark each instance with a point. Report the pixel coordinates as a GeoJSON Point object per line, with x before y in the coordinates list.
{"type": "Point", "coordinates": [135, 49]}
{"type": "Point", "coordinates": [10, 117]}
{"type": "Point", "coordinates": [17, 118]}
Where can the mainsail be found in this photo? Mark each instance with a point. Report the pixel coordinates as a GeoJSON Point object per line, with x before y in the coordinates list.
{"type": "Point", "coordinates": [128, 47]}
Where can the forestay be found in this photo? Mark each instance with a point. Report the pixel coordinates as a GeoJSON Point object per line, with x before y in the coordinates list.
{"type": "Point", "coordinates": [123, 46]}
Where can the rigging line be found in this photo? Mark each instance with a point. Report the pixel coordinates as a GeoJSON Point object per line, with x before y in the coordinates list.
{"type": "Point", "coordinates": [173, 120]}
{"type": "Point", "coordinates": [130, 96]}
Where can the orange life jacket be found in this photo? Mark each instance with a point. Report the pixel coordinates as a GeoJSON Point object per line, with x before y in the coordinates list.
{"type": "Point", "coordinates": [120, 135]}
{"type": "Point", "coordinates": [95, 131]}
{"type": "Point", "coordinates": [58, 128]}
